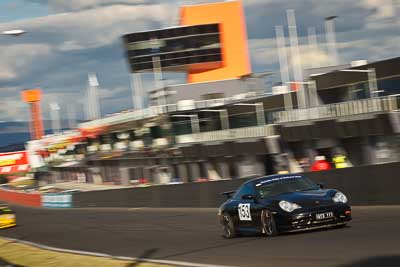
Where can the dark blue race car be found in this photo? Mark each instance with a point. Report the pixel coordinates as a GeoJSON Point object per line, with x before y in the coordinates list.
{"type": "Point", "coordinates": [282, 203]}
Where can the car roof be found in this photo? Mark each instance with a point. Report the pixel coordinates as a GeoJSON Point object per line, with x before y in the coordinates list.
{"type": "Point", "coordinates": [274, 176]}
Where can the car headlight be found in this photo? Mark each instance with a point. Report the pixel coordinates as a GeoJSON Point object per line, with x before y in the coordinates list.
{"type": "Point", "coordinates": [339, 197]}
{"type": "Point", "coordinates": [288, 206]}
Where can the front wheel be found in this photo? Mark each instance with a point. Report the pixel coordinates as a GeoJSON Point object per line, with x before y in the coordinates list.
{"type": "Point", "coordinates": [228, 228]}
{"type": "Point", "coordinates": [268, 224]}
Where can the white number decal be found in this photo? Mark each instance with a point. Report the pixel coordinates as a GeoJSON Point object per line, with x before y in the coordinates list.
{"type": "Point", "coordinates": [244, 212]}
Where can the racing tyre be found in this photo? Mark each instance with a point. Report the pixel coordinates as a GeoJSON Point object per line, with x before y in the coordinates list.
{"type": "Point", "coordinates": [228, 228]}
{"type": "Point", "coordinates": [268, 223]}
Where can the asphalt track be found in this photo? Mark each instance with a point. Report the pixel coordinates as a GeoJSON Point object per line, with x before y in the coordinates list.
{"type": "Point", "coordinates": [193, 235]}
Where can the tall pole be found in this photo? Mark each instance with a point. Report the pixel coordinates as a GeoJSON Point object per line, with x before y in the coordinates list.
{"type": "Point", "coordinates": [87, 107]}
{"type": "Point", "coordinates": [36, 121]}
{"type": "Point", "coordinates": [176, 15]}
{"type": "Point", "coordinates": [55, 117]}
{"type": "Point", "coordinates": [71, 113]}
{"type": "Point", "coordinates": [313, 94]}
{"type": "Point", "coordinates": [372, 83]}
{"type": "Point", "coordinates": [331, 39]}
{"type": "Point", "coordinates": [93, 97]}
{"type": "Point", "coordinates": [33, 97]}
{"type": "Point", "coordinates": [312, 44]}
{"type": "Point", "coordinates": [283, 63]}
{"type": "Point", "coordinates": [295, 57]}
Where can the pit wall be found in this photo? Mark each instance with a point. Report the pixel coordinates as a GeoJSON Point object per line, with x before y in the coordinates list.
{"type": "Point", "coordinates": [59, 200]}
{"type": "Point", "coordinates": [26, 199]}
{"type": "Point", "coordinates": [364, 185]}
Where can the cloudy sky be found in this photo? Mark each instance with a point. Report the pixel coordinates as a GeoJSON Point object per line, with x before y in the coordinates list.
{"type": "Point", "coordinates": [67, 39]}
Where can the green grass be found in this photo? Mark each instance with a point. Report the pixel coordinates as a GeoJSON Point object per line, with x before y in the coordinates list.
{"type": "Point", "coordinates": [25, 255]}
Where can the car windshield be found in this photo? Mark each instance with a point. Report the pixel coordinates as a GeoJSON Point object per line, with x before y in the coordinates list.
{"type": "Point", "coordinates": [285, 184]}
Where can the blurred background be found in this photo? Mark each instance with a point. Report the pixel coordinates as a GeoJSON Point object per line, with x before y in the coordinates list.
{"type": "Point", "coordinates": [97, 94]}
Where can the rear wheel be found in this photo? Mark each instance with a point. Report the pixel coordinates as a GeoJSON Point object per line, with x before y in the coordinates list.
{"type": "Point", "coordinates": [268, 223]}
{"type": "Point", "coordinates": [228, 228]}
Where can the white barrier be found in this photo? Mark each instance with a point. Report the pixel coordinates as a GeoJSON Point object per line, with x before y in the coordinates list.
{"type": "Point", "coordinates": [57, 200]}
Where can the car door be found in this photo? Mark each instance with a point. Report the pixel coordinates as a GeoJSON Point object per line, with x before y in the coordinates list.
{"type": "Point", "coordinates": [247, 209]}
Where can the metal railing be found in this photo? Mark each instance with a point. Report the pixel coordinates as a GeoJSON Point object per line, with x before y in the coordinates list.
{"type": "Point", "coordinates": [154, 111]}
{"type": "Point", "coordinates": [350, 108]}
{"type": "Point", "coordinates": [247, 132]}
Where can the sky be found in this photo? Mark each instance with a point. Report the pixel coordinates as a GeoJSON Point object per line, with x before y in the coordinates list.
{"type": "Point", "coordinates": [67, 39]}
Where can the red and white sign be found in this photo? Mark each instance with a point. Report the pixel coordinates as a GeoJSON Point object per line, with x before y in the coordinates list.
{"type": "Point", "coordinates": [14, 162]}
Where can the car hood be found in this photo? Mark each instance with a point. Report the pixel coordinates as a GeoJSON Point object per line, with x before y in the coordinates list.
{"type": "Point", "coordinates": [308, 199]}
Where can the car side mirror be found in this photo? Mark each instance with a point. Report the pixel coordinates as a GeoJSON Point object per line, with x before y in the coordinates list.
{"type": "Point", "coordinates": [248, 197]}
{"type": "Point", "coordinates": [321, 185]}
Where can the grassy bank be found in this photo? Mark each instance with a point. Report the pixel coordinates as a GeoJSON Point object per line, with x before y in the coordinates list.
{"type": "Point", "coordinates": [25, 255]}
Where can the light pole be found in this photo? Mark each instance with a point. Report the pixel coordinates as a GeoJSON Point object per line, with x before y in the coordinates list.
{"type": "Point", "coordinates": [55, 117]}
{"type": "Point", "coordinates": [312, 44]}
{"type": "Point", "coordinates": [311, 92]}
{"type": "Point", "coordinates": [259, 111]}
{"type": "Point", "coordinates": [372, 82]}
{"type": "Point", "coordinates": [194, 121]}
{"type": "Point", "coordinates": [295, 56]}
{"type": "Point", "coordinates": [223, 113]}
{"type": "Point", "coordinates": [331, 38]}
{"type": "Point", "coordinates": [93, 97]}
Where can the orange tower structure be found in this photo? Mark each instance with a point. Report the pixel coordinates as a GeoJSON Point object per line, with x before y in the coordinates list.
{"type": "Point", "coordinates": [233, 36]}
{"type": "Point", "coordinates": [33, 97]}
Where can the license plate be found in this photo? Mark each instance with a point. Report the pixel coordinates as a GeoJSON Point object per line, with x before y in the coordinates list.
{"type": "Point", "coordinates": [325, 215]}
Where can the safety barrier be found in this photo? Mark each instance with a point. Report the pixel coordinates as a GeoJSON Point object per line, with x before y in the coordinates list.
{"type": "Point", "coordinates": [20, 198]}
{"type": "Point", "coordinates": [364, 185]}
{"type": "Point", "coordinates": [57, 200]}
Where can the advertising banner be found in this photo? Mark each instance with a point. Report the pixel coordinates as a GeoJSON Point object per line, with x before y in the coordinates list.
{"type": "Point", "coordinates": [11, 162]}
{"type": "Point", "coordinates": [57, 200]}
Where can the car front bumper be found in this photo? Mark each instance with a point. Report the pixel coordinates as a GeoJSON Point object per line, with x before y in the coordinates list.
{"type": "Point", "coordinates": [305, 219]}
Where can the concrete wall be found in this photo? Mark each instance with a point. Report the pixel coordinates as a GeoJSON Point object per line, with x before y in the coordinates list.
{"type": "Point", "coordinates": [21, 198]}
{"type": "Point", "coordinates": [364, 185]}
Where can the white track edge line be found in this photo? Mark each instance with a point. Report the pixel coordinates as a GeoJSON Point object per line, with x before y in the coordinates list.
{"type": "Point", "coordinates": [103, 255]}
